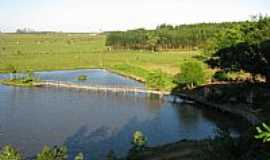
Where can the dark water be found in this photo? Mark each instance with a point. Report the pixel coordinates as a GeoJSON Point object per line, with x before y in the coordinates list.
{"type": "Point", "coordinates": [94, 123]}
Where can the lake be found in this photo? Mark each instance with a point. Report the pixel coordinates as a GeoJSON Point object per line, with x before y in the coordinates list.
{"type": "Point", "coordinates": [94, 122]}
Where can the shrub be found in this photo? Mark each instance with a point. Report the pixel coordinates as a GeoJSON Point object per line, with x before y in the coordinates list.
{"type": "Point", "coordinates": [157, 80]}
{"type": "Point", "coordinates": [139, 140]}
{"type": "Point", "coordinates": [8, 153]}
{"type": "Point", "coordinates": [79, 157]}
{"type": "Point", "coordinates": [82, 78]}
{"type": "Point", "coordinates": [192, 74]}
{"type": "Point", "coordinates": [56, 153]}
{"type": "Point", "coordinates": [221, 76]}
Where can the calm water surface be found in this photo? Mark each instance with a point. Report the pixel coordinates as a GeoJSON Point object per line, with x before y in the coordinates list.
{"type": "Point", "coordinates": [94, 123]}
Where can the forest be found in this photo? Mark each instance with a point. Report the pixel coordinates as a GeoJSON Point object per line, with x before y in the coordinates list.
{"type": "Point", "coordinates": [167, 37]}
{"type": "Point", "coordinates": [232, 46]}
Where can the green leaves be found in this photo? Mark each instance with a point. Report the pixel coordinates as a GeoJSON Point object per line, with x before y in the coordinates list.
{"type": "Point", "coordinates": [225, 38]}
{"type": "Point", "coordinates": [82, 77]}
{"type": "Point", "coordinates": [139, 139]}
{"type": "Point", "coordinates": [55, 153]}
{"type": "Point", "coordinates": [47, 153]}
{"type": "Point", "coordinates": [139, 142]}
{"type": "Point", "coordinates": [192, 74]}
{"type": "Point", "coordinates": [79, 157]}
{"type": "Point", "coordinates": [263, 133]}
{"type": "Point", "coordinates": [243, 47]}
{"type": "Point", "coordinates": [165, 37]}
{"type": "Point", "coordinates": [158, 80]}
{"type": "Point", "coordinates": [9, 153]}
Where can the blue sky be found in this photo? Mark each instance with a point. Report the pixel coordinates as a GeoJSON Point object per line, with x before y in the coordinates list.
{"type": "Point", "coordinates": [102, 15]}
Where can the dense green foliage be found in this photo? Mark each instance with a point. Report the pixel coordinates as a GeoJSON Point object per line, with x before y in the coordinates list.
{"type": "Point", "coordinates": [158, 80]}
{"type": "Point", "coordinates": [192, 74]}
{"type": "Point", "coordinates": [221, 76]}
{"type": "Point", "coordinates": [139, 141]}
{"type": "Point", "coordinates": [79, 157]}
{"type": "Point", "coordinates": [9, 153]}
{"type": "Point", "coordinates": [244, 47]}
{"type": "Point", "coordinates": [47, 153]}
{"type": "Point", "coordinates": [59, 153]}
{"type": "Point", "coordinates": [250, 32]}
{"type": "Point", "coordinates": [166, 37]}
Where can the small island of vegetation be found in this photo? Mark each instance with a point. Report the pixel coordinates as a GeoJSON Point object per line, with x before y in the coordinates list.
{"type": "Point", "coordinates": [82, 77]}
{"type": "Point", "coordinates": [26, 79]}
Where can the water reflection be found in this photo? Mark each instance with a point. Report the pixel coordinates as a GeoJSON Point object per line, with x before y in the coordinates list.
{"type": "Point", "coordinates": [95, 123]}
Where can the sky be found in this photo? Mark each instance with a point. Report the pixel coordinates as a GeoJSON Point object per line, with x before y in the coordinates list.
{"type": "Point", "coordinates": [108, 15]}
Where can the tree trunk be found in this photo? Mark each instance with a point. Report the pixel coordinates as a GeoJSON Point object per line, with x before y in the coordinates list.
{"type": "Point", "coordinates": [267, 77]}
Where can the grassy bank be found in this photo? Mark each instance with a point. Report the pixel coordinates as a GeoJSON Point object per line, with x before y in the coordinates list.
{"type": "Point", "coordinates": [18, 83]}
{"type": "Point", "coordinates": [40, 52]}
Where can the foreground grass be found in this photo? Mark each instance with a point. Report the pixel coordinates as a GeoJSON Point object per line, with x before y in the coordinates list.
{"type": "Point", "coordinates": [39, 52]}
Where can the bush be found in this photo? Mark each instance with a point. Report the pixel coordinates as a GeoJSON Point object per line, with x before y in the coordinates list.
{"type": "Point", "coordinates": [47, 153]}
{"type": "Point", "coordinates": [79, 157]}
{"type": "Point", "coordinates": [157, 80]}
{"type": "Point", "coordinates": [56, 153]}
{"type": "Point", "coordinates": [82, 78]}
{"type": "Point", "coordinates": [221, 76]}
{"type": "Point", "coordinates": [139, 143]}
{"type": "Point", "coordinates": [8, 153]}
{"type": "Point", "coordinates": [192, 74]}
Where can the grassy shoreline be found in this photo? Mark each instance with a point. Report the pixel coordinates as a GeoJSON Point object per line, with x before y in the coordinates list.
{"type": "Point", "coordinates": [18, 83]}
{"type": "Point", "coordinates": [48, 52]}
{"type": "Point", "coordinates": [129, 75]}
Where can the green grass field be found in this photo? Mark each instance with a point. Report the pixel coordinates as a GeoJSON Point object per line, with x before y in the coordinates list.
{"type": "Point", "coordinates": [38, 52]}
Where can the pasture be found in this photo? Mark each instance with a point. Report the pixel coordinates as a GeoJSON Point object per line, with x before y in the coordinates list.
{"type": "Point", "coordinates": [63, 51]}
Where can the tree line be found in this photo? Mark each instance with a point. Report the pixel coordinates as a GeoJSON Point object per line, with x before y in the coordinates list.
{"type": "Point", "coordinates": [166, 37]}
{"type": "Point", "coordinates": [32, 31]}
{"type": "Point", "coordinates": [244, 47]}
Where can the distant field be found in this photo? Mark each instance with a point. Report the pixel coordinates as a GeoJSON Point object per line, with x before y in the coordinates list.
{"type": "Point", "coordinates": [69, 51]}
{"type": "Point", "coordinates": [37, 52]}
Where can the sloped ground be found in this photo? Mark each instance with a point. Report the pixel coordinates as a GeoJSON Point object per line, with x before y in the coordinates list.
{"type": "Point", "coordinates": [182, 150]}
{"type": "Point", "coordinates": [248, 100]}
